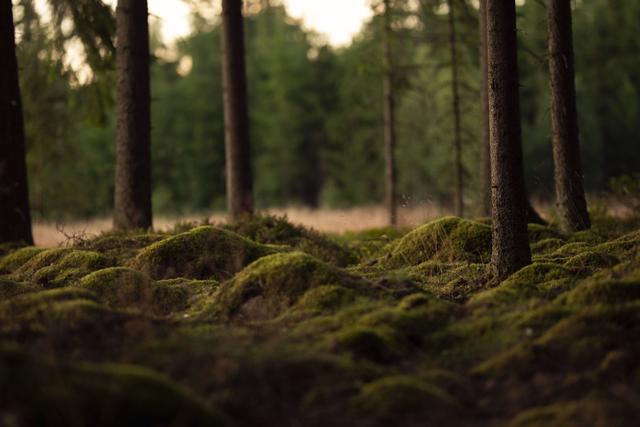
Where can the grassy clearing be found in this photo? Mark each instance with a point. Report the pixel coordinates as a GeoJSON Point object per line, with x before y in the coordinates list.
{"type": "Point", "coordinates": [268, 323]}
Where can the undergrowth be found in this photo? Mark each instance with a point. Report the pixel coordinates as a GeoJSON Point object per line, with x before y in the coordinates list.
{"type": "Point", "coordinates": [263, 322]}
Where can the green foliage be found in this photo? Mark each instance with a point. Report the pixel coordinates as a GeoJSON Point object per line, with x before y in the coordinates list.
{"type": "Point", "coordinates": [202, 253]}
{"type": "Point", "coordinates": [436, 340]}
{"type": "Point", "coordinates": [446, 239]}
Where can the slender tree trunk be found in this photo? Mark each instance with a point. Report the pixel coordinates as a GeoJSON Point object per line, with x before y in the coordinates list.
{"type": "Point", "coordinates": [458, 205]}
{"type": "Point", "coordinates": [237, 144]}
{"type": "Point", "coordinates": [15, 216]}
{"type": "Point", "coordinates": [390, 191]}
{"type": "Point", "coordinates": [485, 156]}
{"type": "Point", "coordinates": [132, 204]}
{"type": "Point", "coordinates": [510, 249]}
{"type": "Point", "coordinates": [570, 198]}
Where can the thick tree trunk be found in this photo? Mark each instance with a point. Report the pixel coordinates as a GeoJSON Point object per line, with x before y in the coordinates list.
{"type": "Point", "coordinates": [570, 197]}
{"type": "Point", "coordinates": [458, 205]}
{"type": "Point", "coordinates": [485, 157]}
{"type": "Point", "coordinates": [389, 123]}
{"type": "Point", "coordinates": [237, 144]}
{"type": "Point", "coordinates": [132, 204]}
{"type": "Point", "coordinates": [15, 217]}
{"type": "Point", "coordinates": [510, 250]}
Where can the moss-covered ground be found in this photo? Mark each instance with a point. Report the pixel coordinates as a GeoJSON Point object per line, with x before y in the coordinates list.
{"type": "Point", "coordinates": [265, 323]}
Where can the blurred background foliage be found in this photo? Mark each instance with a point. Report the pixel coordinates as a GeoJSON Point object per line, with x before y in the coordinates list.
{"type": "Point", "coordinates": [316, 110]}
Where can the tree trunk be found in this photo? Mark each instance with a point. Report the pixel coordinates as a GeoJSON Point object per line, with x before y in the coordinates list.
{"type": "Point", "coordinates": [389, 123]}
{"type": "Point", "coordinates": [570, 197]}
{"type": "Point", "coordinates": [458, 206]}
{"type": "Point", "coordinates": [132, 204]}
{"type": "Point", "coordinates": [510, 248]}
{"type": "Point", "coordinates": [238, 148]}
{"type": "Point", "coordinates": [15, 217]}
{"type": "Point", "coordinates": [485, 157]}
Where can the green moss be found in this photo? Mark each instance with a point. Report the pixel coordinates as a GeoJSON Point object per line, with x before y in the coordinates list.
{"type": "Point", "coordinates": [538, 280]}
{"type": "Point", "coordinates": [538, 233]}
{"type": "Point", "coordinates": [124, 287]}
{"type": "Point", "coordinates": [40, 260]}
{"type": "Point", "coordinates": [71, 267]}
{"type": "Point", "coordinates": [397, 399]}
{"type": "Point", "coordinates": [586, 236]}
{"type": "Point", "coordinates": [16, 259]}
{"type": "Point", "coordinates": [120, 246]}
{"type": "Point", "coordinates": [594, 410]}
{"type": "Point", "coordinates": [267, 229]}
{"type": "Point", "coordinates": [446, 239]}
{"type": "Point", "coordinates": [373, 344]}
{"type": "Point", "coordinates": [119, 286]}
{"type": "Point", "coordinates": [622, 246]}
{"type": "Point", "coordinates": [326, 298]}
{"type": "Point", "coordinates": [9, 288]}
{"type": "Point", "coordinates": [202, 253]}
{"type": "Point", "coordinates": [367, 244]}
{"type": "Point", "coordinates": [272, 284]}
{"type": "Point", "coordinates": [604, 292]}
{"type": "Point", "coordinates": [42, 300]}
{"type": "Point", "coordinates": [591, 260]}
{"type": "Point", "coordinates": [547, 246]}
{"type": "Point", "coordinates": [97, 395]}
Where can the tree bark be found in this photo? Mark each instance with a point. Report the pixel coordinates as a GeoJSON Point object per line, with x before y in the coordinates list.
{"type": "Point", "coordinates": [510, 248]}
{"type": "Point", "coordinates": [570, 197]}
{"type": "Point", "coordinates": [458, 205]}
{"type": "Point", "coordinates": [390, 191]}
{"type": "Point", "coordinates": [237, 144]}
{"type": "Point", "coordinates": [15, 216]}
{"type": "Point", "coordinates": [485, 157]}
{"type": "Point", "coordinates": [132, 202]}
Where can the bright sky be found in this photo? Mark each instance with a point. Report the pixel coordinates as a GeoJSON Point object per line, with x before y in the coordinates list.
{"type": "Point", "coordinates": [339, 20]}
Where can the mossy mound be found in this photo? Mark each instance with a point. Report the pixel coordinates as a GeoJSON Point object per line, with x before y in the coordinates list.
{"type": "Point", "coordinates": [71, 267]}
{"type": "Point", "coordinates": [404, 400]}
{"type": "Point", "coordinates": [363, 342]}
{"type": "Point", "coordinates": [202, 253]}
{"type": "Point", "coordinates": [9, 288]}
{"type": "Point", "coordinates": [591, 261]}
{"type": "Point", "coordinates": [447, 239]}
{"type": "Point", "coordinates": [609, 292]}
{"type": "Point", "coordinates": [546, 246]}
{"type": "Point", "coordinates": [454, 282]}
{"type": "Point", "coordinates": [120, 246]}
{"type": "Point", "coordinates": [598, 409]}
{"type": "Point", "coordinates": [538, 233]}
{"type": "Point", "coordinates": [326, 298]}
{"type": "Point", "coordinates": [274, 283]}
{"type": "Point", "coordinates": [42, 259]}
{"type": "Point", "coordinates": [124, 287]}
{"type": "Point", "coordinates": [36, 393]}
{"type": "Point", "coordinates": [14, 260]}
{"type": "Point", "coordinates": [275, 230]}
{"type": "Point", "coordinates": [538, 280]}
{"type": "Point", "coordinates": [367, 244]}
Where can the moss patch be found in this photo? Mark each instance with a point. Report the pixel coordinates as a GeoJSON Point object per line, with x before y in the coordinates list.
{"type": "Point", "coordinates": [274, 283]}
{"type": "Point", "coordinates": [202, 253]}
{"type": "Point", "coordinates": [268, 229]}
{"type": "Point", "coordinates": [17, 259]}
{"type": "Point", "coordinates": [71, 267]}
{"type": "Point", "coordinates": [446, 239]}
{"type": "Point", "coordinates": [47, 394]}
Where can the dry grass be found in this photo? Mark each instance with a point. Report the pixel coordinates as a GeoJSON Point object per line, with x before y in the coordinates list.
{"type": "Point", "coordinates": [49, 234]}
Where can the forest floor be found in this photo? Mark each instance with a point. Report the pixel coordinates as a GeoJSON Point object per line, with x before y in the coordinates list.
{"type": "Point", "coordinates": [265, 323]}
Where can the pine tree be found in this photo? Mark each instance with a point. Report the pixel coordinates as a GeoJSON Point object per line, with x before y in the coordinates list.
{"type": "Point", "coordinates": [390, 182]}
{"type": "Point", "coordinates": [132, 203]}
{"type": "Point", "coordinates": [570, 197]}
{"type": "Point", "coordinates": [485, 160]}
{"type": "Point", "coordinates": [15, 216]}
{"type": "Point", "coordinates": [237, 144]}
{"type": "Point", "coordinates": [458, 206]}
{"type": "Point", "coordinates": [510, 248]}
